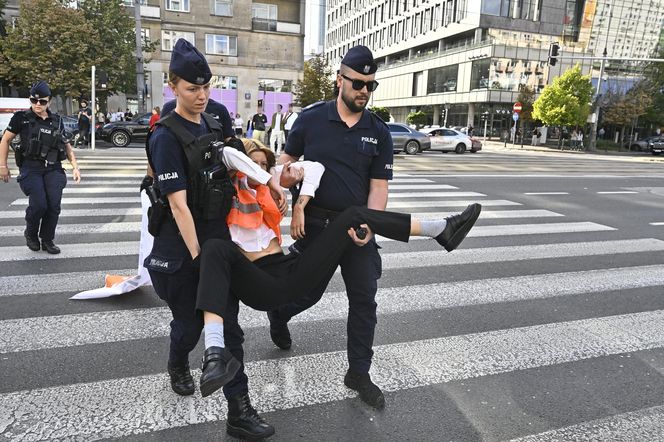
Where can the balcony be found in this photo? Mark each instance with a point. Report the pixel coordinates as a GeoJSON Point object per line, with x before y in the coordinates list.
{"type": "Point", "coordinates": [150, 11]}
{"type": "Point", "coordinates": [262, 24]}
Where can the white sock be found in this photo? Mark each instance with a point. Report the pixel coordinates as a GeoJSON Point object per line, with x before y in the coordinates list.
{"type": "Point", "coordinates": [214, 335]}
{"type": "Point", "coordinates": [432, 228]}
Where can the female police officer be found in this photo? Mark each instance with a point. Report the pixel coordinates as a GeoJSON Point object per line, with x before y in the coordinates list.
{"type": "Point", "coordinates": [39, 156]}
{"type": "Point", "coordinates": [186, 169]}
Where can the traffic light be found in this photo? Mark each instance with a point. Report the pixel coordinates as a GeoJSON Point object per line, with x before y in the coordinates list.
{"type": "Point", "coordinates": [103, 80]}
{"type": "Point", "coordinates": [554, 51]}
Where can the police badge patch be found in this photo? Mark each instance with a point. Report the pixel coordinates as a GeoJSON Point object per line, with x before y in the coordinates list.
{"type": "Point", "coordinates": [367, 68]}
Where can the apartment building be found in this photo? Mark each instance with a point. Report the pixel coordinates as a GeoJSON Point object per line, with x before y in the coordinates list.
{"type": "Point", "coordinates": [465, 61]}
{"type": "Point", "coordinates": [255, 49]}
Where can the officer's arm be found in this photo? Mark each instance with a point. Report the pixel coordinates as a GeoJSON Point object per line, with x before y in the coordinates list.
{"type": "Point", "coordinates": [377, 194]}
{"type": "Point", "coordinates": [184, 220]}
{"type": "Point", "coordinates": [74, 164]}
{"type": "Point", "coordinates": [4, 155]}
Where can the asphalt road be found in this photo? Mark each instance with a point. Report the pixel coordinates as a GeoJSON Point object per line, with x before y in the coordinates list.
{"type": "Point", "coordinates": [545, 325]}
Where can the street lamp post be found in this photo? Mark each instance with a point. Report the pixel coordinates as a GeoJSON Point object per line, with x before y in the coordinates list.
{"type": "Point", "coordinates": [447, 110]}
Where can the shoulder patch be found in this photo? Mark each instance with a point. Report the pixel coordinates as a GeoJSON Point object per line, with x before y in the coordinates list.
{"type": "Point", "coordinates": [314, 105]}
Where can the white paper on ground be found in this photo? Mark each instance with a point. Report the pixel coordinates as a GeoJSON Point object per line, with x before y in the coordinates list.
{"type": "Point", "coordinates": [142, 277]}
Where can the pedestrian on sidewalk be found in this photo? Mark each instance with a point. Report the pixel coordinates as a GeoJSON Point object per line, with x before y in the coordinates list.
{"type": "Point", "coordinates": [39, 159]}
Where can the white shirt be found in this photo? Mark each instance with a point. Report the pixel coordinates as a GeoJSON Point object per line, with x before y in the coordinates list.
{"type": "Point", "coordinates": [289, 122]}
{"type": "Point", "coordinates": [239, 122]}
{"type": "Point", "coordinates": [277, 123]}
{"type": "Point", "coordinates": [255, 240]}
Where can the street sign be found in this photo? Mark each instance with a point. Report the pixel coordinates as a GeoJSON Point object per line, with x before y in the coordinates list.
{"type": "Point", "coordinates": [515, 116]}
{"type": "Point", "coordinates": [517, 107]}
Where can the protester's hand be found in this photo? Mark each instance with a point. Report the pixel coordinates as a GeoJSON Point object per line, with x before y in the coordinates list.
{"type": "Point", "coordinates": [360, 242]}
{"type": "Point", "coordinates": [77, 176]}
{"type": "Point", "coordinates": [297, 224]}
{"type": "Point", "coordinates": [290, 176]}
{"type": "Point", "coordinates": [5, 174]}
{"type": "Point", "coordinates": [278, 195]}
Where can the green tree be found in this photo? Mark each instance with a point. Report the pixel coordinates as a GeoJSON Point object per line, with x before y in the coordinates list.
{"type": "Point", "coordinates": [527, 98]}
{"type": "Point", "coordinates": [47, 43]}
{"type": "Point", "coordinates": [567, 101]}
{"type": "Point", "coordinates": [382, 112]}
{"type": "Point", "coordinates": [417, 118]}
{"type": "Point", "coordinates": [654, 83]}
{"type": "Point", "coordinates": [316, 84]}
{"type": "Point", "coordinates": [625, 109]}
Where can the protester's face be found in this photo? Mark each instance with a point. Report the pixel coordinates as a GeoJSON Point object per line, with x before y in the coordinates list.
{"type": "Point", "coordinates": [355, 100]}
{"type": "Point", "coordinates": [191, 97]}
{"type": "Point", "coordinates": [259, 158]}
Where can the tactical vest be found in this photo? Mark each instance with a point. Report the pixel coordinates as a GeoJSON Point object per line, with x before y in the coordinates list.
{"type": "Point", "coordinates": [209, 188]}
{"type": "Point", "coordinates": [42, 143]}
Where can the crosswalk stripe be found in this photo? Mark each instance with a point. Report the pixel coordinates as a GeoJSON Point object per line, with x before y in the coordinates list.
{"type": "Point", "coordinates": [86, 175]}
{"type": "Point", "coordinates": [80, 229]}
{"type": "Point", "coordinates": [141, 404]}
{"type": "Point", "coordinates": [79, 329]}
{"type": "Point", "coordinates": [435, 194]}
{"type": "Point", "coordinates": [447, 203]}
{"type": "Point", "coordinates": [100, 189]}
{"type": "Point", "coordinates": [79, 281]}
{"type": "Point", "coordinates": [78, 201]}
{"type": "Point", "coordinates": [10, 214]}
{"type": "Point", "coordinates": [422, 186]}
{"type": "Point", "coordinates": [135, 182]}
{"type": "Point", "coordinates": [79, 250]}
{"type": "Point", "coordinates": [640, 425]}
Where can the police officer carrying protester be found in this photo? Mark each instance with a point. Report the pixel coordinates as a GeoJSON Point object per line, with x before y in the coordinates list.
{"type": "Point", "coordinates": [355, 147]}
{"type": "Point", "coordinates": [191, 175]}
{"type": "Point", "coordinates": [39, 159]}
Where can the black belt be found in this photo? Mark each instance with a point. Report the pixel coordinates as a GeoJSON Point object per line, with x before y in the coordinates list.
{"type": "Point", "coordinates": [320, 213]}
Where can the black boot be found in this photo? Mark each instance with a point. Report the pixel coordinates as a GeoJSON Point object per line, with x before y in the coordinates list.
{"type": "Point", "coordinates": [181, 381]}
{"type": "Point", "coordinates": [458, 227]}
{"type": "Point", "coordinates": [50, 247]}
{"type": "Point", "coordinates": [279, 332]}
{"type": "Point", "coordinates": [244, 422]}
{"type": "Point", "coordinates": [219, 367]}
{"type": "Point", "coordinates": [369, 392]}
{"type": "Point", "coordinates": [31, 241]}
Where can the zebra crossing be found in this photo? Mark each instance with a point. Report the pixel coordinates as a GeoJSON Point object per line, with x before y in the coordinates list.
{"type": "Point", "coordinates": [92, 370]}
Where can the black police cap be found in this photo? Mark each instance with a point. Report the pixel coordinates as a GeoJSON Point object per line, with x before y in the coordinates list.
{"type": "Point", "coordinates": [40, 89]}
{"type": "Point", "coordinates": [189, 64]}
{"type": "Point", "coordinates": [360, 59]}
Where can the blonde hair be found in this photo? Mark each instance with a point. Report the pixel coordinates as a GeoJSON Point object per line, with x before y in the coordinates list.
{"type": "Point", "coordinates": [173, 78]}
{"type": "Point", "coordinates": [255, 145]}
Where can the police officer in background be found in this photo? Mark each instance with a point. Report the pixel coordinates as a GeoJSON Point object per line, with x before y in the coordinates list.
{"type": "Point", "coordinates": [38, 157]}
{"type": "Point", "coordinates": [355, 147]}
{"type": "Point", "coordinates": [187, 172]}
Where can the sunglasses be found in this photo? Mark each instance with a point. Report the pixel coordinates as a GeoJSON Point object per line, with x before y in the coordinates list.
{"type": "Point", "coordinates": [358, 85]}
{"type": "Point", "coordinates": [41, 101]}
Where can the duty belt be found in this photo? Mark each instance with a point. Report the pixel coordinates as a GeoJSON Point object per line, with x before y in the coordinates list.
{"type": "Point", "coordinates": [320, 213]}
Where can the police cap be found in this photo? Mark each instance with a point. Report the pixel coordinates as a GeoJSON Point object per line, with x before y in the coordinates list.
{"type": "Point", "coordinates": [40, 89]}
{"type": "Point", "coordinates": [189, 64]}
{"type": "Point", "coordinates": [360, 59]}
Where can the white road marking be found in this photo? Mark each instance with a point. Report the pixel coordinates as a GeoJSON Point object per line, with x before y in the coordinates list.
{"type": "Point", "coordinates": [657, 224]}
{"type": "Point", "coordinates": [96, 201]}
{"type": "Point", "coordinates": [69, 251]}
{"type": "Point", "coordinates": [546, 193]}
{"type": "Point", "coordinates": [145, 404]}
{"type": "Point", "coordinates": [99, 189]}
{"type": "Point", "coordinates": [80, 229]}
{"type": "Point", "coordinates": [447, 203]}
{"type": "Point", "coordinates": [421, 186]}
{"type": "Point", "coordinates": [616, 192]}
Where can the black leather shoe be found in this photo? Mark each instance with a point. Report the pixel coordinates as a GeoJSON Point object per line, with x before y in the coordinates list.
{"type": "Point", "coordinates": [219, 367]}
{"type": "Point", "coordinates": [244, 422]}
{"type": "Point", "coordinates": [458, 227]}
{"type": "Point", "coordinates": [181, 381]}
{"type": "Point", "coordinates": [31, 242]}
{"type": "Point", "coordinates": [50, 247]}
{"type": "Point", "coordinates": [369, 392]}
{"type": "Point", "coordinates": [279, 333]}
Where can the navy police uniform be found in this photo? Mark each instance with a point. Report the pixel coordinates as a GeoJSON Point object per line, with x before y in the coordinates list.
{"type": "Point", "coordinates": [42, 179]}
{"type": "Point", "coordinates": [170, 265]}
{"type": "Point", "coordinates": [351, 156]}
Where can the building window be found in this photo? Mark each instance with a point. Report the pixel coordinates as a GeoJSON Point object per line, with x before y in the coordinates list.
{"type": "Point", "coordinates": [130, 3]}
{"type": "Point", "coordinates": [169, 38]}
{"type": "Point", "coordinates": [220, 44]}
{"type": "Point", "coordinates": [177, 5]}
{"type": "Point", "coordinates": [264, 17]}
{"type": "Point", "coordinates": [271, 85]}
{"type": "Point", "coordinates": [222, 7]}
{"type": "Point", "coordinates": [417, 79]}
{"type": "Point", "coordinates": [443, 79]}
{"type": "Point", "coordinates": [479, 77]}
{"type": "Point", "coordinates": [223, 82]}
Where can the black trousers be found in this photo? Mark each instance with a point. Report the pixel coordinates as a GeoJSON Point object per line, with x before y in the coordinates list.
{"type": "Point", "coordinates": [278, 279]}
{"type": "Point", "coordinates": [43, 185]}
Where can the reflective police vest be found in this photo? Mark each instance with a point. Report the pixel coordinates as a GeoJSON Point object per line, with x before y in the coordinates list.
{"type": "Point", "coordinates": [209, 188]}
{"type": "Point", "coordinates": [43, 142]}
{"type": "Point", "coordinates": [252, 207]}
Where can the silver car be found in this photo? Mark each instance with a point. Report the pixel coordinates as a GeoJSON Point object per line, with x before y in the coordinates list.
{"type": "Point", "coordinates": [410, 140]}
{"type": "Point", "coordinates": [450, 140]}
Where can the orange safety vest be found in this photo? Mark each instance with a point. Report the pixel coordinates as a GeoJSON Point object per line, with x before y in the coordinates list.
{"type": "Point", "coordinates": [251, 211]}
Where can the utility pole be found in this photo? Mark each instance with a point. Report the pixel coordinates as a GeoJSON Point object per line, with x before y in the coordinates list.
{"type": "Point", "coordinates": [140, 75]}
{"type": "Point", "coordinates": [93, 105]}
{"type": "Point", "coordinates": [592, 145]}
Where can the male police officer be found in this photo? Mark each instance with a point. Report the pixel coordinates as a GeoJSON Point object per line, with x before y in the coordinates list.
{"type": "Point", "coordinates": [39, 156]}
{"type": "Point", "coordinates": [355, 147]}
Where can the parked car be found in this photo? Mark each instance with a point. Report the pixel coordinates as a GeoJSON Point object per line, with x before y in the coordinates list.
{"type": "Point", "coordinates": [656, 145]}
{"type": "Point", "coordinates": [121, 133]}
{"type": "Point", "coordinates": [408, 139]}
{"type": "Point", "coordinates": [642, 145]}
{"type": "Point", "coordinates": [450, 140]}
